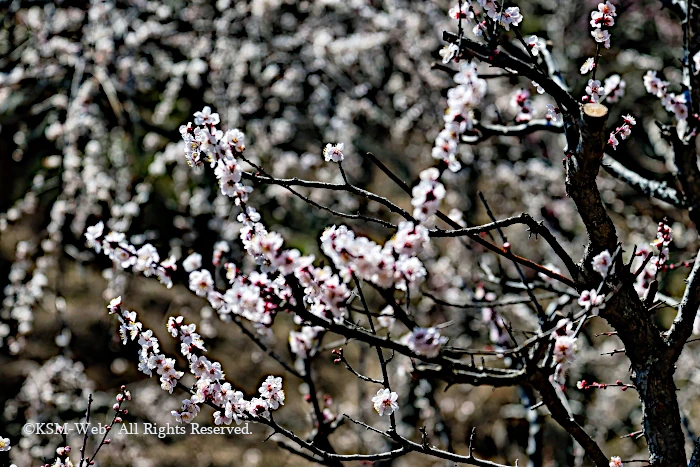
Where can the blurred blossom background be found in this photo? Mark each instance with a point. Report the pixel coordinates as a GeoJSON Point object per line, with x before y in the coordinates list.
{"type": "Point", "coordinates": [91, 98]}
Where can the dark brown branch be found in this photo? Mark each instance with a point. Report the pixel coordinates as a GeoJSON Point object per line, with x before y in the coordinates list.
{"type": "Point", "coordinates": [582, 169]}
{"type": "Point", "coordinates": [688, 174]}
{"type": "Point", "coordinates": [682, 326]}
{"type": "Point", "coordinates": [561, 415]}
{"type": "Point", "coordinates": [523, 279]}
{"type": "Point", "coordinates": [330, 186]}
{"type": "Point", "coordinates": [508, 62]}
{"type": "Point", "coordinates": [535, 227]}
{"type": "Point", "coordinates": [488, 245]}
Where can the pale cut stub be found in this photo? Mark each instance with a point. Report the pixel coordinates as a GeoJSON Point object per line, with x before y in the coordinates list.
{"type": "Point", "coordinates": [595, 110]}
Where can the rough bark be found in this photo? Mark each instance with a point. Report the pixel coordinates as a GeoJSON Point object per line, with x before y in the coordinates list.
{"type": "Point", "coordinates": [649, 353]}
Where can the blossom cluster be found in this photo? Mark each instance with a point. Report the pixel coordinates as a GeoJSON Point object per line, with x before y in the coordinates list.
{"type": "Point", "coordinates": [592, 301]}
{"type": "Point", "coordinates": [522, 104]}
{"type": "Point", "coordinates": [564, 349]}
{"type": "Point", "coordinates": [623, 131]}
{"type": "Point", "coordinates": [459, 116]}
{"type": "Point", "coordinates": [258, 296]}
{"type": "Point", "coordinates": [146, 259]}
{"type": "Point", "coordinates": [506, 17]}
{"type": "Point", "coordinates": [664, 236]}
{"type": "Point", "coordinates": [393, 265]}
{"type": "Point", "coordinates": [210, 387]}
{"type": "Point", "coordinates": [220, 149]}
{"type": "Point", "coordinates": [427, 194]}
{"type": "Point", "coordinates": [675, 103]}
{"type": "Point", "coordinates": [611, 90]}
{"type": "Point", "coordinates": [601, 20]}
{"type": "Point", "coordinates": [425, 341]}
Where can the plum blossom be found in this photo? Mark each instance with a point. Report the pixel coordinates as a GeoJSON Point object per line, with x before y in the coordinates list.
{"type": "Point", "coordinates": [564, 348]}
{"type": "Point", "coordinates": [333, 152]}
{"type": "Point", "coordinates": [4, 444]}
{"type": "Point", "coordinates": [603, 18]}
{"type": "Point", "coordinates": [509, 16]}
{"type": "Point", "coordinates": [386, 317]}
{"type": "Point", "coordinates": [192, 262]}
{"type": "Point", "coordinates": [602, 262]}
{"type": "Point", "coordinates": [614, 88]}
{"type": "Point", "coordinates": [258, 407]}
{"type": "Point", "coordinates": [187, 412]}
{"type": "Point", "coordinates": [448, 52]}
{"type": "Point", "coordinates": [385, 402]}
{"type": "Point", "coordinates": [654, 85]}
{"type": "Point", "coordinates": [594, 90]}
{"type": "Point", "coordinates": [271, 390]}
{"type": "Point", "coordinates": [602, 37]}
{"type": "Point", "coordinates": [147, 259]}
{"type": "Point", "coordinates": [409, 239]}
{"type": "Point", "coordinates": [615, 461]}
{"type": "Point", "coordinates": [115, 305]}
{"type": "Point", "coordinates": [613, 141]}
{"type": "Point", "coordinates": [522, 104]}
{"type": "Point", "coordinates": [206, 117]}
{"type": "Point", "coordinates": [591, 301]}
{"type": "Point", "coordinates": [535, 44]}
{"type": "Point", "coordinates": [446, 146]}
{"type": "Point", "coordinates": [93, 235]}
{"type": "Point", "coordinates": [664, 235]}
{"type": "Point", "coordinates": [599, 18]}
{"type": "Point", "coordinates": [479, 29]}
{"type": "Point", "coordinates": [201, 282]}
{"type": "Point", "coordinates": [425, 341]}
{"type": "Point", "coordinates": [463, 12]}
{"type": "Point", "coordinates": [427, 195]}
{"type": "Point", "coordinates": [461, 100]}
{"type": "Point", "coordinates": [301, 343]}
{"type": "Point", "coordinates": [210, 385]}
{"type": "Point", "coordinates": [677, 104]}
{"type": "Point", "coordinates": [553, 113]}
{"type": "Point", "coordinates": [588, 65]}
{"type": "Point", "coordinates": [623, 131]}
{"type": "Point", "coordinates": [387, 266]}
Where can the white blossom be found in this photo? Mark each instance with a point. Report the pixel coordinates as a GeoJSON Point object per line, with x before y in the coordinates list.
{"type": "Point", "coordinates": [602, 262]}
{"type": "Point", "coordinates": [425, 341]}
{"type": "Point", "coordinates": [385, 402]}
{"type": "Point", "coordinates": [588, 65]}
{"type": "Point", "coordinates": [192, 262]}
{"type": "Point", "coordinates": [333, 152]}
{"type": "Point", "coordinates": [201, 282]}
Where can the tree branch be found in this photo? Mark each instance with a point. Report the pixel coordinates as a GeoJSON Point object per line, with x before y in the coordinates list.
{"type": "Point", "coordinates": [682, 326]}
{"type": "Point", "coordinates": [561, 415]}
{"type": "Point", "coordinates": [654, 188]}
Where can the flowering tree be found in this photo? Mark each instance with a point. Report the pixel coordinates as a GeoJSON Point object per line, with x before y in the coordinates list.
{"type": "Point", "coordinates": [385, 290]}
